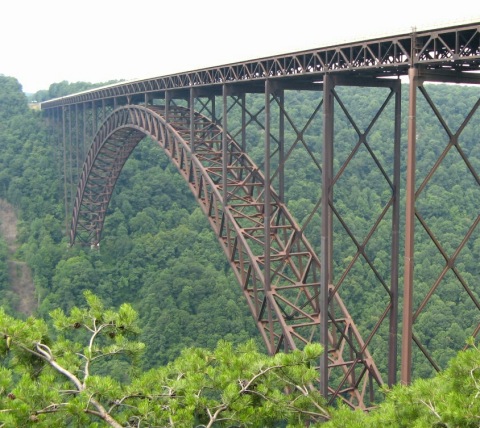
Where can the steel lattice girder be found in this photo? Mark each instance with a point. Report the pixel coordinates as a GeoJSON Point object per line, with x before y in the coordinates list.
{"type": "Point", "coordinates": [453, 48]}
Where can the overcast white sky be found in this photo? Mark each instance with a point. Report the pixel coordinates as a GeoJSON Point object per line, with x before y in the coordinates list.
{"type": "Point", "coordinates": [47, 41]}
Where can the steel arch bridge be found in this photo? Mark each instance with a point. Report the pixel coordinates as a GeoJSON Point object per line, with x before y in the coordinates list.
{"type": "Point", "coordinates": [292, 288]}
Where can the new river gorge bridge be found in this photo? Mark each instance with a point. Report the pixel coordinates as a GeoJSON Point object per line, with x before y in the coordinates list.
{"type": "Point", "coordinates": [235, 132]}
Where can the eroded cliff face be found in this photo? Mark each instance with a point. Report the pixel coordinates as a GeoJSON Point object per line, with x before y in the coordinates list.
{"type": "Point", "coordinates": [20, 276]}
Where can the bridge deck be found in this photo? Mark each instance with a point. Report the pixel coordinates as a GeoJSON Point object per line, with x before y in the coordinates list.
{"type": "Point", "coordinates": [453, 49]}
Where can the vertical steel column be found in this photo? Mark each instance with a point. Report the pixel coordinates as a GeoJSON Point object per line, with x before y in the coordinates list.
{"type": "Point", "coordinates": [191, 103]}
{"type": "Point", "coordinates": [281, 148]}
{"type": "Point", "coordinates": [326, 244]}
{"type": "Point", "coordinates": [94, 120]}
{"type": "Point", "coordinates": [266, 209]}
{"type": "Point", "coordinates": [168, 97]}
{"type": "Point", "coordinates": [77, 144]}
{"type": "Point", "coordinates": [84, 132]}
{"type": "Point", "coordinates": [393, 330]}
{"type": "Point", "coordinates": [280, 93]}
{"type": "Point", "coordinates": [56, 134]}
{"type": "Point", "coordinates": [406, 369]}
{"type": "Point", "coordinates": [55, 130]}
{"type": "Point", "coordinates": [64, 138]}
{"type": "Point", "coordinates": [214, 113]}
{"type": "Point", "coordinates": [224, 147]}
{"type": "Point", "coordinates": [244, 124]}
{"type": "Point", "coordinates": [70, 151]}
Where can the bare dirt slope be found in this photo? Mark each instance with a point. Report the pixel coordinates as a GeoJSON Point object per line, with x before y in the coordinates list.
{"type": "Point", "coordinates": [20, 276]}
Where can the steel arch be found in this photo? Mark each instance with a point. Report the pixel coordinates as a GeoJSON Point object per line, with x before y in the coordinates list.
{"type": "Point", "coordinates": [287, 308]}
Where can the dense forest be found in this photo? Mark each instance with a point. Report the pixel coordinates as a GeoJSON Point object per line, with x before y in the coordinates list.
{"type": "Point", "coordinates": [159, 255]}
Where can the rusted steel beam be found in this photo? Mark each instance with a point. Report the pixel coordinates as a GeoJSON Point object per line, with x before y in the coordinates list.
{"type": "Point", "coordinates": [395, 245]}
{"type": "Point", "coordinates": [326, 238]}
{"type": "Point", "coordinates": [414, 218]}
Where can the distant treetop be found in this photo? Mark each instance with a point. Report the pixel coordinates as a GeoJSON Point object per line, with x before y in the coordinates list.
{"type": "Point", "coordinates": [64, 88]}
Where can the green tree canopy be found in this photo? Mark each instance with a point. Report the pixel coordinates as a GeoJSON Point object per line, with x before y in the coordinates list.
{"type": "Point", "coordinates": [450, 399]}
{"type": "Point", "coordinates": [12, 100]}
{"type": "Point", "coordinates": [84, 374]}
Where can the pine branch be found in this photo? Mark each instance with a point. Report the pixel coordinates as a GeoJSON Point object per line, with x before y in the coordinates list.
{"type": "Point", "coordinates": [47, 356]}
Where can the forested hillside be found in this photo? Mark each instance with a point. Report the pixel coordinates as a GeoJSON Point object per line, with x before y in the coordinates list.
{"type": "Point", "coordinates": [159, 254]}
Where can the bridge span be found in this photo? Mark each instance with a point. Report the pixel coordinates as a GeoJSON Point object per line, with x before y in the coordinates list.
{"type": "Point", "coordinates": [203, 120]}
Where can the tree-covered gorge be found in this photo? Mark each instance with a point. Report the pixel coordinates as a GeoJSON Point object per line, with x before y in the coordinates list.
{"type": "Point", "coordinates": [159, 255]}
{"type": "Point", "coordinates": [158, 252]}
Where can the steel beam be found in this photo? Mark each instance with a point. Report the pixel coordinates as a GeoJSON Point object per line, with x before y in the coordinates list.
{"type": "Point", "coordinates": [267, 200]}
{"type": "Point", "coordinates": [326, 238]}
{"type": "Point", "coordinates": [191, 104]}
{"type": "Point", "coordinates": [65, 188]}
{"type": "Point", "coordinates": [224, 146]}
{"type": "Point", "coordinates": [414, 218]}
{"type": "Point", "coordinates": [455, 48]}
{"type": "Point", "coordinates": [406, 369]}
{"type": "Point", "coordinates": [394, 269]}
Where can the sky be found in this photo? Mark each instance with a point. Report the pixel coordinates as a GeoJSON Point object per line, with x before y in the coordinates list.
{"type": "Point", "coordinates": [48, 41]}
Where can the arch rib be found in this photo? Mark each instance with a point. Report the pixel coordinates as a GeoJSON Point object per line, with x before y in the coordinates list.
{"type": "Point", "coordinates": [286, 311]}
